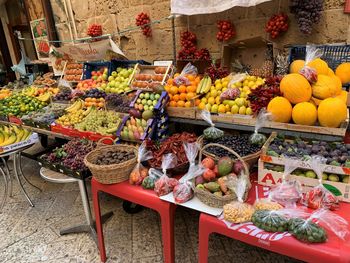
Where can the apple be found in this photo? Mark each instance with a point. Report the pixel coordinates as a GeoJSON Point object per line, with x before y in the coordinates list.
{"type": "Point", "coordinates": [112, 83]}
{"type": "Point", "coordinates": [104, 77]}
{"type": "Point", "coordinates": [110, 78]}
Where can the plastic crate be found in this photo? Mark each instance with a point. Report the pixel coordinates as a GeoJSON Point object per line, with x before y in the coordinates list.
{"type": "Point", "coordinates": [115, 63]}
{"type": "Point", "coordinates": [94, 66]}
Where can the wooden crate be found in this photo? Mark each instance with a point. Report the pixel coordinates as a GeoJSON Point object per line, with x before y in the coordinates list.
{"type": "Point", "coordinates": [180, 112]}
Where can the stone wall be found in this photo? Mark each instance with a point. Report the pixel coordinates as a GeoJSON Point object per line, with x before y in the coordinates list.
{"type": "Point", "coordinates": [249, 22]}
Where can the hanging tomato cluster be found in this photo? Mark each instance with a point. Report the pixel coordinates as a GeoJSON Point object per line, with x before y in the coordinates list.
{"type": "Point", "coordinates": [143, 20]}
{"type": "Point", "coordinates": [277, 24]}
{"type": "Point", "coordinates": [94, 30]}
{"type": "Point", "coordinates": [189, 49]}
{"type": "Point", "coordinates": [226, 30]}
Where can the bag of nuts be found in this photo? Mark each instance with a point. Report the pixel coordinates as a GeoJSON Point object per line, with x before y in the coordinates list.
{"type": "Point", "coordinates": [238, 211]}
{"type": "Point", "coordinates": [266, 204]}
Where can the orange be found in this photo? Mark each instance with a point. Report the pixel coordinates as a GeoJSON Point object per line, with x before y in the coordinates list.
{"type": "Point", "coordinates": [170, 82]}
{"type": "Point", "coordinates": [191, 89]}
{"type": "Point", "coordinates": [176, 97]}
{"type": "Point", "coordinates": [193, 83]}
{"type": "Point", "coordinates": [197, 102]}
{"type": "Point", "coordinates": [93, 99]}
{"type": "Point", "coordinates": [187, 104]}
{"type": "Point", "coordinates": [167, 88]}
{"type": "Point", "coordinates": [191, 77]}
{"type": "Point", "coordinates": [173, 90]}
{"type": "Point", "coordinates": [182, 89]}
{"type": "Point", "coordinates": [101, 104]}
{"type": "Point", "coordinates": [197, 79]}
{"type": "Point", "coordinates": [176, 75]}
{"type": "Point", "coordinates": [172, 104]}
{"type": "Point", "coordinates": [180, 103]}
{"type": "Point", "coordinates": [170, 96]}
{"type": "Point", "coordinates": [183, 96]}
{"type": "Point", "coordinates": [190, 95]}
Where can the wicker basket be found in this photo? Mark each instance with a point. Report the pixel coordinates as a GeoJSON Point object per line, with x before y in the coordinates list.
{"type": "Point", "coordinates": [113, 173]}
{"type": "Point", "coordinates": [250, 159]}
{"type": "Point", "coordinates": [214, 200]}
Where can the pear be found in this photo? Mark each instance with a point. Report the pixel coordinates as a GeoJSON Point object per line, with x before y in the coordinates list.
{"type": "Point", "coordinates": [131, 136]}
{"type": "Point", "coordinates": [132, 121]}
{"type": "Point", "coordinates": [140, 129]}
{"type": "Point", "coordinates": [134, 128]}
{"type": "Point", "coordinates": [125, 135]}
{"type": "Point", "coordinates": [144, 123]}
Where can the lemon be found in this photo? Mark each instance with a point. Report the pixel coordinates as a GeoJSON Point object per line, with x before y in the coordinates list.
{"type": "Point", "coordinates": [201, 106]}
{"type": "Point", "coordinates": [208, 106]}
{"type": "Point", "coordinates": [218, 93]}
{"type": "Point", "coordinates": [204, 100]}
{"type": "Point", "coordinates": [221, 108]}
{"type": "Point", "coordinates": [246, 89]}
{"type": "Point", "coordinates": [228, 108]}
{"type": "Point", "coordinates": [245, 82]}
{"type": "Point", "coordinates": [218, 86]}
{"type": "Point", "coordinates": [217, 81]}
{"type": "Point", "coordinates": [239, 84]}
{"type": "Point", "coordinates": [243, 94]}
{"type": "Point", "coordinates": [217, 100]}
{"type": "Point", "coordinates": [208, 95]}
{"type": "Point", "coordinates": [249, 111]}
{"type": "Point", "coordinates": [212, 88]}
{"type": "Point", "coordinates": [242, 110]}
{"type": "Point", "coordinates": [234, 109]}
{"type": "Point", "coordinates": [225, 84]}
{"type": "Point", "coordinates": [224, 89]}
{"type": "Point", "coordinates": [213, 93]}
{"type": "Point", "coordinates": [214, 108]}
{"type": "Point", "coordinates": [211, 101]}
{"type": "Point", "coordinates": [239, 102]}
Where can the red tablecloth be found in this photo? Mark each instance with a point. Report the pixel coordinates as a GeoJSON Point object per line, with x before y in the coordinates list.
{"type": "Point", "coordinates": [334, 250]}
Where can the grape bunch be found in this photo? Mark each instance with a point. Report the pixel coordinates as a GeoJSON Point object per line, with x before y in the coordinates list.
{"type": "Point", "coordinates": [306, 13]}
{"type": "Point", "coordinates": [261, 96]}
{"type": "Point", "coordinates": [95, 93]}
{"type": "Point", "coordinates": [64, 95]}
{"type": "Point", "coordinates": [203, 54]}
{"type": "Point", "coordinates": [94, 30]}
{"type": "Point", "coordinates": [216, 72]}
{"type": "Point", "coordinates": [77, 94]}
{"type": "Point", "coordinates": [188, 42]}
{"type": "Point", "coordinates": [143, 20]}
{"type": "Point", "coordinates": [277, 24]}
{"type": "Point", "coordinates": [226, 30]}
{"type": "Point", "coordinates": [118, 102]}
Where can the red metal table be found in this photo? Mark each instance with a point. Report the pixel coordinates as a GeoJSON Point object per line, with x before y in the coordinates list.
{"type": "Point", "coordinates": [334, 250]}
{"type": "Point", "coordinates": [138, 195]}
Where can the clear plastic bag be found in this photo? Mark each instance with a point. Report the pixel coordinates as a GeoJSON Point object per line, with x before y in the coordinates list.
{"type": "Point", "coordinates": [257, 138]}
{"type": "Point", "coordinates": [233, 92]}
{"type": "Point", "coordinates": [312, 53]}
{"type": "Point", "coordinates": [309, 230]}
{"type": "Point", "coordinates": [189, 69]}
{"type": "Point", "coordinates": [184, 190]}
{"type": "Point", "coordinates": [140, 172]}
{"type": "Point", "coordinates": [319, 196]}
{"type": "Point", "coordinates": [238, 211]}
{"type": "Point", "coordinates": [211, 133]}
{"type": "Point", "coordinates": [165, 184]}
{"type": "Point", "coordinates": [288, 192]}
{"type": "Point", "coordinates": [266, 204]}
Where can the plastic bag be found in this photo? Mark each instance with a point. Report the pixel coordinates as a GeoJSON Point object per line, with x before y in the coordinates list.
{"type": "Point", "coordinates": [211, 133]}
{"type": "Point", "coordinates": [312, 53]}
{"type": "Point", "coordinates": [319, 196]}
{"type": "Point", "coordinates": [307, 230]}
{"type": "Point", "coordinates": [238, 211]}
{"type": "Point", "coordinates": [165, 184]}
{"type": "Point", "coordinates": [150, 180]}
{"type": "Point", "coordinates": [189, 69]}
{"type": "Point", "coordinates": [233, 92]}
{"type": "Point", "coordinates": [289, 191]}
{"type": "Point", "coordinates": [266, 204]}
{"type": "Point", "coordinates": [140, 172]}
{"type": "Point", "coordinates": [184, 190]}
{"type": "Point", "coordinates": [257, 138]}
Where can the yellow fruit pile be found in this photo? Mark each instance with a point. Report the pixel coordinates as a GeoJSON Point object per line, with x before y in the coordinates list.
{"type": "Point", "coordinates": [4, 93]}
{"type": "Point", "coordinates": [213, 103]}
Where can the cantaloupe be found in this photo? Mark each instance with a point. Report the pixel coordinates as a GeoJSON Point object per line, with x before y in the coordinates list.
{"type": "Point", "coordinates": [325, 87]}
{"type": "Point", "coordinates": [343, 72]}
{"type": "Point", "coordinates": [304, 113]}
{"type": "Point", "coordinates": [296, 66]}
{"type": "Point", "coordinates": [295, 88]}
{"type": "Point", "coordinates": [332, 112]}
{"type": "Point", "coordinates": [280, 109]}
{"type": "Point", "coordinates": [320, 65]}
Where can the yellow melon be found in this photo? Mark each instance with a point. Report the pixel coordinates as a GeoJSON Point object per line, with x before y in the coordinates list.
{"type": "Point", "coordinates": [332, 112]}
{"type": "Point", "coordinates": [295, 88]}
{"type": "Point", "coordinates": [330, 72]}
{"type": "Point", "coordinates": [319, 65]}
{"type": "Point", "coordinates": [296, 66]}
{"type": "Point", "coordinates": [315, 101]}
{"type": "Point", "coordinates": [343, 72]}
{"type": "Point", "coordinates": [343, 96]}
{"type": "Point", "coordinates": [281, 109]}
{"type": "Point", "coordinates": [325, 87]}
{"type": "Point", "coordinates": [337, 83]}
{"type": "Point", "coordinates": [304, 113]}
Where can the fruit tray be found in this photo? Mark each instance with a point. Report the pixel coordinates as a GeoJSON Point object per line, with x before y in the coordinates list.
{"type": "Point", "coordinates": [267, 176]}
{"type": "Point", "coordinates": [148, 77]}
{"type": "Point", "coordinates": [162, 101]}
{"type": "Point", "coordinates": [93, 66]}
{"type": "Point", "coordinates": [33, 138]}
{"type": "Point", "coordinates": [180, 112]}
{"type": "Point", "coordinates": [73, 72]}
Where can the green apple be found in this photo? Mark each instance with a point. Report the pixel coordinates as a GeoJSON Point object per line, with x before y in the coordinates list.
{"type": "Point", "coordinates": [146, 107]}
{"type": "Point", "coordinates": [150, 108]}
{"type": "Point", "coordinates": [138, 100]}
{"type": "Point", "coordinates": [144, 101]}
{"type": "Point", "coordinates": [154, 103]}
{"type": "Point", "coordinates": [110, 78]}
{"type": "Point", "coordinates": [147, 95]}
{"type": "Point", "coordinates": [112, 83]}
{"type": "Point", "coordinates": [103, 85]}
{"type": "Point", "coordinates": [114, 74]}
{"type": "Point", "coordinates": [119, 69]}
{"type": "Point", "coordinates": [104, 77]}
{"type": "Point", "coordinates": [114, 90]}
{"type": "Point", "coordinates": [310, 174]}
{"type": "Point", "coordinates": [142, 96]}
{"type": "Point", "coordinates": [157, 96]}
{"type": "Point", "coordinates": [108, 89]}
{"type": "Point", "coordinates": [150, 102]}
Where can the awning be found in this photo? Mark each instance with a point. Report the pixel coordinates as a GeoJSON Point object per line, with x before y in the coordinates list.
{"type": "Point", "coordinates": [195, 7]}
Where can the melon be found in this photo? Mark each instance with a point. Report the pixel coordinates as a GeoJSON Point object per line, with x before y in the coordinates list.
{"type": "Point", "coordinates": [280, 109]}
{"type": "Point", "coordinates": [343, 72]}
{"type": "Point", "coordinates": [343, 96]}
{"type": "Point", "coordinates": [295, 88]}
{"type": "Point", "coordinates": [330, 72]}
{"type": "Point", "coordinates": [332, 112]}
{"type": "Point", "coordinates": [320, 65]}
{"type": "Point", "coordinates": [296, 66]}
{"type": "Point", "coordinates": [337, 82]}
{"type": "Point", "coordinates": [325, 87]}
{"type": "Point", "coordinates": [304, 113]}
{"type": "Point", "coordinates": [315, 101]}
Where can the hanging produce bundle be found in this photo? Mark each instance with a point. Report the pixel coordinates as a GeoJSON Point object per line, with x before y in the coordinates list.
{"type": "Point", "coordinates": [307, 13]}
{"type": "Point", "coordinates": [226, 30]}
{"type": "Point", "coordinates": [143, 20]}
{"type": "Point", "coordinates": [189, 51]}
{"type": "Point", "coordinates": [164, 185]}
{"type": "Point", "coordinates": [277, 24]}
{"type": "Point", "coordinates": [94, 30]}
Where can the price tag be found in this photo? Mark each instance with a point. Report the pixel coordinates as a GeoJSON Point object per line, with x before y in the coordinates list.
{"type": "Point", "coordinates": [163, 63]}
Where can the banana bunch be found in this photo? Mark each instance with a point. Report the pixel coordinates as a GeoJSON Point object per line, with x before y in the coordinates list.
{"type": "Point", "coordinates": [77, 105]}
{"type": "Point", "coordinates": [13, 134]}
{"type": "Point", "coordinates": [44, 97]}
{"type": "Point", "coordinates": [30, 91]}
{"type": "Point", "coordinates": [204, 85]}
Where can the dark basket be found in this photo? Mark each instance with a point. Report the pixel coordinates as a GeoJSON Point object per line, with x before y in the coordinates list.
{"type": "Point", "coordinates": [93, 66]}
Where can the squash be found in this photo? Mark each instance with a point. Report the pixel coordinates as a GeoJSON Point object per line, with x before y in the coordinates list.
{"type": "Point", "coordinates": [320, 65]}
{"type": "Point", "coordinates": [280, 109]}
{"type": "Point", "coordinates": [296, 66]}
{"type": "Point", "coordinates": [304, 113]}
{"type": "Point", "coordinates": [330, 72]}
{"type": "Point", "coordinates": [325, 87]}
{"type": "Point", "coordinates": [343, 72]}
{"type": "Point", "coordinates": [295, 88]}
{"type": "Point", "coordinates": [343, 96]}
{"type": "Point", "coordinates": [332, 112]}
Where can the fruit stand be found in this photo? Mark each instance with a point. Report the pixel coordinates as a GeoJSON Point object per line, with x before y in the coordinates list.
{"type": "Point", "coordinates": [258, 146]}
